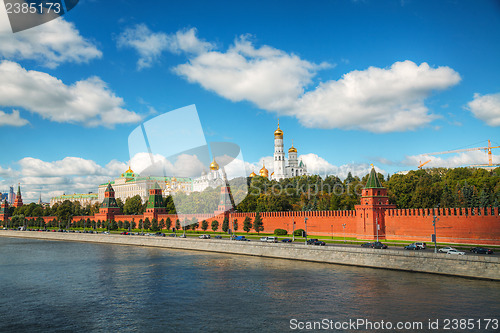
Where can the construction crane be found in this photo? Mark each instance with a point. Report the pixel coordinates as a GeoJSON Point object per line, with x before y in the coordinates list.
{"type": "Point", "coordinates": [486, 149]}
{"type": "Point", "coordinates": [422, 164]}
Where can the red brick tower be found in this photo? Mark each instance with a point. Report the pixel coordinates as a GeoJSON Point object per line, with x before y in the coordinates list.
{"type": "Point", "coordinates": [19, 200]}
{"type": "Point", "coordinates": [155, 203]}
{"type": "Point", "coordinates": [371, 210]}
{"type": "Point", "coordinates": [4, 211]}
{"type": "Point", "coordinates": [226, 203]}
{"type": "Point", "coordinates": [109, 208]}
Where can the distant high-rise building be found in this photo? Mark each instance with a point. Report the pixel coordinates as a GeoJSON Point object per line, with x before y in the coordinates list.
{"type": "Point", "coordinates": [12, 196]}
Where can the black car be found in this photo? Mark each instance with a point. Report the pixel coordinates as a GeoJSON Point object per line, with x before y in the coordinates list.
{"type": "Point", "coordinates": [366, 245]}
{"type": "Point", "coordinates": [286, 240]}
{"type": "Point", "coordinates": [481, 250]}
{"type": "Point", "coordinates": [218, 237]}
{"type": "Point", "coordinates": [315, 241]}
{"type": "Point", "coordinates": [378, 245]}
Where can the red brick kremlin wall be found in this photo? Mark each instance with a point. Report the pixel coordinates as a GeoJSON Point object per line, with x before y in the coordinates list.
{"type": "Point", "coordinates": [457, 225]}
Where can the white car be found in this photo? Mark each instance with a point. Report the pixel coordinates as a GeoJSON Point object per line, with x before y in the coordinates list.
{"type": "Point", "coordinates": [263, 239]}
{"type": "Point", "coordinates": [446, 249]}
{"type": "Point", "coordinates": [455, 252]}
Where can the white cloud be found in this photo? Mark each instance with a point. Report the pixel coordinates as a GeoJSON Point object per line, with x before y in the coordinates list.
{"type": "Point", "coordinates": [268, 77]}
{"type": "Point", "coordinates": [12, 119]}
{"type": "Point", "coordinates": [89, 102]}
{"type": "Point", "coordinates": [376, 99]}
{"type": "Point", "coordinates": [50, 44]}
{"type": "Point", "coordinates": [69, 175]}
{"type": "Point", "coordinates": [148, 44]}
{"type": "Point", "coordinates": [486, 108]}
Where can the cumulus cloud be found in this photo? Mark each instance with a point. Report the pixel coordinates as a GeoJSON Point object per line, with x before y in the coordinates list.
{"type": "Point", "coordinates": [89, 102]}
{"type": "Point", "coordinates": [375, 99]}
{"type": "Point", "coordinates": [50, 44]}
{"type": "Point", "coordinates": [150, 45]}
{"type": "Point", "coordinates": [183, 165]}
{"type": "Point", "coordinates": [268, 77]}
{"type": "Point", "coordinates": [12, 119]}
{"type": "Point", "coordinates": [51, 178]}
{"type": "Point", "coordinates": [486, 108]}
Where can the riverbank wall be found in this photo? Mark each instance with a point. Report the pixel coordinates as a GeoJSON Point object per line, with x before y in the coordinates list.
{"type": "Point", "coordinates": [470, 266]}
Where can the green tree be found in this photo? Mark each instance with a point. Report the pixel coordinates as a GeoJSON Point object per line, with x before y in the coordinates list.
{"type": "Point", "coordinates": [247, 224]}
{"type": "Point", "coordinates": [161, 225]}
{"type": "Point", "coordinates": [204, 225]}
{"type": "Point", "coordinates": [147, 223]}
{"type": "Point", "coordinates": [177, 224]}
{"type": "Point", "coordinates": [235, 224]}
{"type": "Point", "coordinates": [120, 204]}
{"type": "Point", "coordinates": [258, 225]}
{"type": "Point", "coordinates": [113, 225]}
{"type": "Point", "coordinates": [225, 224]}
{"type": "Point", "coordinates": [215, 225]}
{"type": "Point", "coordinates": [154, 225]}
{"type": "Point", "coordinates": [133, 206]}
{"type": "Point", "coordinates": [65, 211]}
{"type": "Point", "coordinates": [168, 223]}
{"type": "Point", "coordinates": [194, 223]}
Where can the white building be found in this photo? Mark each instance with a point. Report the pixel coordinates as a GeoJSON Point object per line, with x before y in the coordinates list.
{"type": "Point", "coordinates": [281, 169]}
{"type": "Point", "coordinates": [212, 179]}
{"type": "Point", "coordinates": [129, 184]}
{"type": "Point", "coordinates": [83, 199]}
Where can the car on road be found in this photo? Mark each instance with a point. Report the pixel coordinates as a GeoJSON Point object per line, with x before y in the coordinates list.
{"type": "Point", "coordinates": [421, 245]}
{"type": "Point", "coordinates": [366, 245]}
{"type": "Point", "coordinates": [378, 245]}
{"type": "Point", "coordinates": [286, 240]}
{"type": "Point", "coordinates": [204, 237]}
{"type": "Point", "coordinates": [182, 236]}
{"type": "Point", "coordinates": [446, 249]}
{"type": "Point", "coordinates": [455, 252]}
{"type": "Point", "coordinates": [272, 239]}
{"type": "Point", "coordinates": [481, 250]}
{"type": "Point", "coordinates": [263, 239]}
{"type": "Point", "coordinates": [412, 247]}
{"type": "Point", "coordinates": [315, 241]}
{"type": "Point", "coordinates": [218, 237]}
{"type": "Point", "coordinates": [241, 238]}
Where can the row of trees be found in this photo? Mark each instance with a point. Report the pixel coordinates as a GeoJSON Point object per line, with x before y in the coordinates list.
{"type": "Point", "coordinates": [427, 188]}
{"type": "Point", "coordinates": [146, 224]}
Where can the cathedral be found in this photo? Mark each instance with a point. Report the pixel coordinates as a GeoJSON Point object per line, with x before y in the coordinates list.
{"type": "Point", "coordinates": [282, 170]}
{"type": "Point", "coordinates": [212, 179]}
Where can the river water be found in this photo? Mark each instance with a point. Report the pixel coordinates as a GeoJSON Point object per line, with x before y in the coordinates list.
{"type": "Point", "coordinates": [49, 286]}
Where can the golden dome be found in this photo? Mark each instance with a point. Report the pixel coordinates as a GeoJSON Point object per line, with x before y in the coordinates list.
{"type": "Point", "coordinates": [253, 174]}
{"type": "Point", "coordinates": [264, 172]}
{"type": "Point", "coordinates": [278, 133]}
{"type": "Point", "coordinates": [214, 166]}
{"type": "Point", "coordinates": [292, 149]}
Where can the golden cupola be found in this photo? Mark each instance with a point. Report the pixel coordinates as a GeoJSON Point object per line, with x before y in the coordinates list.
{"type": "Point", "coordinates": [278, 134]}
{"type": "Point", "coordinates": [264, 172]}
{"type": "Point", "coordinates": [253, 174]}
{"type": "Point", "coordinates": [292, 149]}
{"type": "Point", "coordinates": [214, 166]}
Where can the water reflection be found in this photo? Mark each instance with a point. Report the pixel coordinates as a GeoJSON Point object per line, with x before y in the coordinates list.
{"type": "Point", "coordinates": [93, 287]}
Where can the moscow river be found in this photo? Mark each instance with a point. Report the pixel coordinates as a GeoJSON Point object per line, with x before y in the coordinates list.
{"type": "Point", "coordinates": [69, 286]}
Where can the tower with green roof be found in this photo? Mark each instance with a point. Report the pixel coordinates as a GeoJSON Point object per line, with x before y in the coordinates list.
{"type": "Point", "coordinates": [155, 204]}
{"type": "Point", "coordinates": [109, 208]}
{"type": "Point", "coordinates": [370, 212]}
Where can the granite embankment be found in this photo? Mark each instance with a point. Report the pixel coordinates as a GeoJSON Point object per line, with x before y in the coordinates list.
{"type": "Point", "coordinates": [472, 266]}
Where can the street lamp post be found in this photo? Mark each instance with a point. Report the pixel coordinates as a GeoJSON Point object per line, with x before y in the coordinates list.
{"type": "Point", "coordinates": [376, 221]}
{"type": "Point", "coordinates": [343, 227]}
{"type": "Point", "coordinates": [434, 221]}
{"type": "Point", "coordinates": [293, 229]}
{"type": "Point", "coordinates": [305, 223]}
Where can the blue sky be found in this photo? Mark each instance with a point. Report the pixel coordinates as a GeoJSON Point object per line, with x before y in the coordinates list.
{"type": "Point", "coordinates": [352, 82]}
